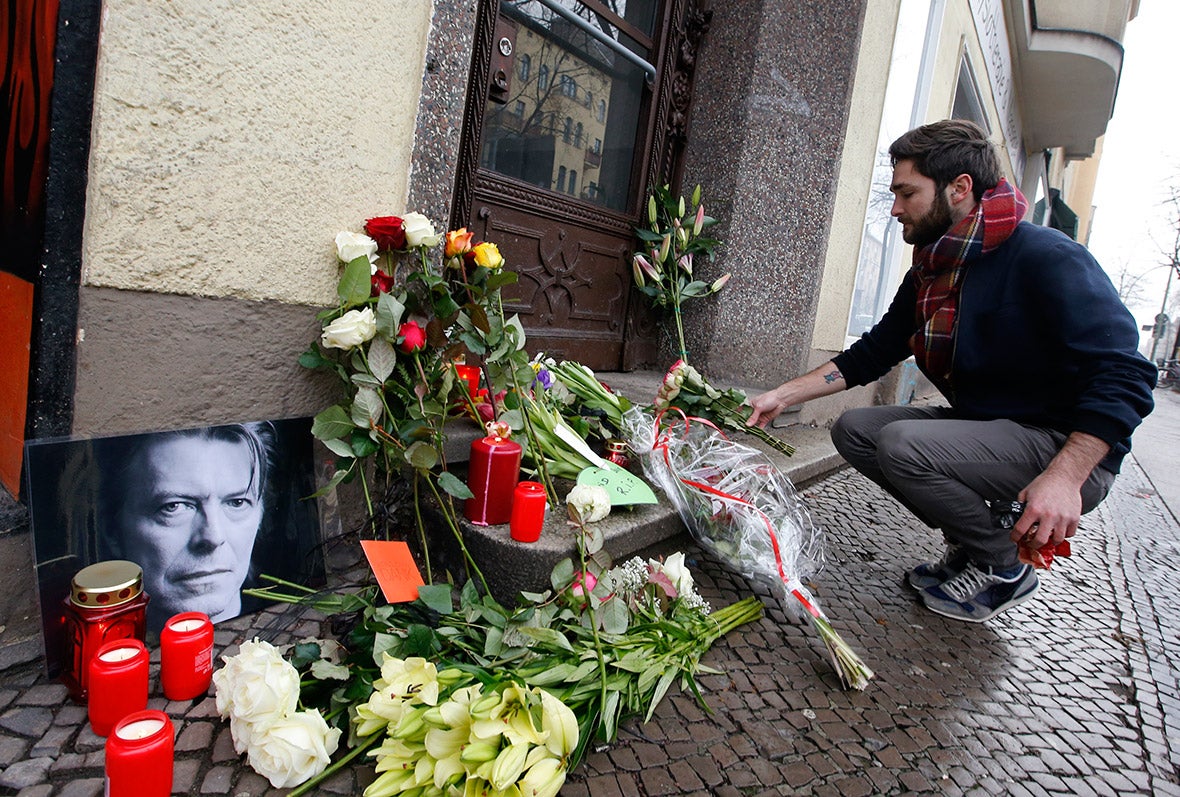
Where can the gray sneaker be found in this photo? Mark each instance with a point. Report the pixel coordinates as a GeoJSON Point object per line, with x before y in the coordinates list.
{"type": "Point", "coordinates": [931, 574]}
{"type": "Point", "coordinates": [976, 594]}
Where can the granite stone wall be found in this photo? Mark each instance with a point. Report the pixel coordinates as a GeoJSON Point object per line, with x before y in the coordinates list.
{"type": "Point", "coordinates": [768, 121]}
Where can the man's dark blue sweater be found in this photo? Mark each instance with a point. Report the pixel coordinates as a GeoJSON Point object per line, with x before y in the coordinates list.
{"type": "Point", "coordinates": [1041, 338]}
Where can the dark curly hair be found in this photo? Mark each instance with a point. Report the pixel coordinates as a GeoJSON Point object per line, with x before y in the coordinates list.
{"type": "Point", "coordinates": [944, 150]}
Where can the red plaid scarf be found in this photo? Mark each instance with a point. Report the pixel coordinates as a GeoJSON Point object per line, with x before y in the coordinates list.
{"type": "Point", "coordinates": [938, 273]}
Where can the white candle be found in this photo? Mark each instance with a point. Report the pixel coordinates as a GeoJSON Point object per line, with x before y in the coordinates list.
{"type": "Point", "coordinates": [119, 654]}
{"type": "Point", "coordinates": [186, 625]}
{"type": "Point", "coordinates": [141, 729]}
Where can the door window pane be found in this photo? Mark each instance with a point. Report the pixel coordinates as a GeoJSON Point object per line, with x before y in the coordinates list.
{"type": "Point", "coordinates": [575, 77]}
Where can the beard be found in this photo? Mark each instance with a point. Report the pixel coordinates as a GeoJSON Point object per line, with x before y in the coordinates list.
{"type": "Point", "coordinates": [932, 225]}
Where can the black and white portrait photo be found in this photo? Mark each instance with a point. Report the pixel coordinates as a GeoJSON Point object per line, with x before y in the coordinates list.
{"type": "Point", "coordinates": [202, 511]}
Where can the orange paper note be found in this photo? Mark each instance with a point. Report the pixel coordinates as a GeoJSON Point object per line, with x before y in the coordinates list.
{"type": "Point", "coordinates": [394, 567]}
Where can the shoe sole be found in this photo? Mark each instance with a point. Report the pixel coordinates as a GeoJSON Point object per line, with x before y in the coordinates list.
{"type": "Point", "coordinates": [955, 613]}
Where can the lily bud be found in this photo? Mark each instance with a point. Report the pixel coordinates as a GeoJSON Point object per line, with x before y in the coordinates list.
{"type": "Point", "coordinates": [686, 264]}
{"type": "Point", "coordinates": [509, 765]}
{"type": "Point", "coordinates": [410, 725]}
{"type": "Point", "coordinates": [483, 708]}
{"type": "Point", "coordinates": [560, 722]}
{"type": "Point", "coordinates": [719, 283]}
{"type": "Point", "coordinates": [680, 208]}
{"type": "Point", "coordinates": [699, 222]}
{"type": "Point", "coordinates": [480, 752]}
{"type": "Point", "coordinates": [638, 272]}
{"type": "Point", "coordinates": [665, 245]}
{"type": "Point", "coordinates": [651, 210]}
{"type": "Point", "coordinates": [543, 779]}
{"type": "Point", "coordinates": [696, 195]}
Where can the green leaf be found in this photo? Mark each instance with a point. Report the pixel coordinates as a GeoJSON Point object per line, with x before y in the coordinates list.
{"type": "Point", "coordinates": [493, 644]}
{"type": "Point", "coordinates": [614, 616]}
{"type": "Point", "coordinates": [314, 358]}
{"type": "Point", "coordinates": [356, 283]}
{"type": "Point", "coordinates": [562, 575]}
{"type": "Point", "coordinates": [339, 447]}
{"type": "Point", "coordinates": [502, 278]}
{"type": "Point", "coordinates": [551, 676]}
{"type": "Point", "coordinates": [661, 690]}
{"type": "Point", "coordinates": [366, 408]}
{"type": "Point", "coordinates": [454, 486]}
{"type": "Point", "coordinates": [332, 423]}
{"type": "Point", "coordinates": [383, 643]}
{"type": "Point", "coordinates": [514, 322]}
{"type": "Point", "coordinates": [550, 636]}
{"type": "Point", "coordinates": [437, 597]}
{"type": "Point", "coordinates": [594, 539]}
{"type": "Point", "coordinates": [420, 641]}
{"type": "Point", "coordinates": [303, 654]}
{"type": "Point", "coordinates": [421, 455]}
{"type": "Point", "coordinates": [382, 358]}
{"type": "Point", "coordinates": [389, 316]}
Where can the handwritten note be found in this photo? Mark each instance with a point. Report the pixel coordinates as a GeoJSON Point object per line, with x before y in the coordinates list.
{"type": "Point", "coordinates": [623, 487]}
{"type": "Point", "coordinates": [394, 567]}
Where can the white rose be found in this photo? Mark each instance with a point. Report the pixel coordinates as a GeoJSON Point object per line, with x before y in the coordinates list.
{"type": "Point", "coordinates": [293, 749]}
{"type": "Point", "coordinates": [351, 245]}
{"type": "Point", "coordinates": [350, 330]}
{"type": "Point", "coordinates": [591, 502]}
{"type": "Point", "coordinates": [256, 684]}
{"type": "Point", "coordinates": [419, 231]}
{"type": "Point", "coordinates": [676, 571]}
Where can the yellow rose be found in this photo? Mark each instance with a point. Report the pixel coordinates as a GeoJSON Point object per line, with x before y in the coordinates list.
{"type": "Point", "coordinates": [488, 255]}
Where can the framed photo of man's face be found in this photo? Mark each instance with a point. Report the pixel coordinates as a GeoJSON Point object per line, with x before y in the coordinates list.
{"type": "Point", "coordinates": [202, 511]}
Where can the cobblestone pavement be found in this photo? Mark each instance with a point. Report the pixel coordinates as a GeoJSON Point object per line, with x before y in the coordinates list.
{"type": "Point", "coordinates": [1075, 692]}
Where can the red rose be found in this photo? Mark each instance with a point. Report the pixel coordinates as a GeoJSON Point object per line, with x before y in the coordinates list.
{"type": "Point", "coordinates": [388, 231]}
{"type": "Point", "coordinates": [413, 337]}
{"type": "Point", "coordinates": [382, 283]}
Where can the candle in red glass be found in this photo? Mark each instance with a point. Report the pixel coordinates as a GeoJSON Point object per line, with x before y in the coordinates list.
{"type": "Point", "coordinates": [492, 475]}
{"type": "Point", "coordinates": [469, 374]}
{"type": "Point", "coordinates": [106, 602]}
{"type": "Point", "coordinates": [186, 655]}
{"type": "Point", "coordinates": [139, 756]}
{"type": "Point", "coordinates": [528, 512]}
{"type": "Point", "coordinates": [118, 683]}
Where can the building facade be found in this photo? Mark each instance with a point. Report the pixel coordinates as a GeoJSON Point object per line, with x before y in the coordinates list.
{"type": "Point", "coordinates": [198, 157]}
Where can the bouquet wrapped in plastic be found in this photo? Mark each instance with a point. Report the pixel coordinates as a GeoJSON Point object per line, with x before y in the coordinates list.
{"type": "Point", "coordinates": [739, 506]}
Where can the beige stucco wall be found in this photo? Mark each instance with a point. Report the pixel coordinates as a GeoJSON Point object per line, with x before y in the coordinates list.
{"type": "Point", "coordinates": [232, 141]}
{"type": "Point", "coordinates": [856, 172]}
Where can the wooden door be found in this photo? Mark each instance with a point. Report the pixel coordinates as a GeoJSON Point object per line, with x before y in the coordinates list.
{"type": "Point", "coordinates": [575, 109]}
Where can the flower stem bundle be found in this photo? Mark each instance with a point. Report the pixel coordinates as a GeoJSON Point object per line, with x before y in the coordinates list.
{"type": "Point", "coordinates": [686, 389]}
{"type": "Point", "coordinates": [673, 238]}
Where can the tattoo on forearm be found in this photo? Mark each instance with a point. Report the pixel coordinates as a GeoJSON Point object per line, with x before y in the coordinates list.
{"type": "Point", "coordinates": [832, 376]}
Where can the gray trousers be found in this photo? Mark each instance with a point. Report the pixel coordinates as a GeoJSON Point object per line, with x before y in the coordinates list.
{"type": "Point", "coordinates": [944, 470]}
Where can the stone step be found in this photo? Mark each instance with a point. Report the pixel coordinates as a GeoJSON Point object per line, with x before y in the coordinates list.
{"type": "Point", "coordinates": [511, 567]}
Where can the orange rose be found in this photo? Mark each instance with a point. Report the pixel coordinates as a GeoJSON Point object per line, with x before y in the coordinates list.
{"type": "Point", "coordinates": [458, 242]}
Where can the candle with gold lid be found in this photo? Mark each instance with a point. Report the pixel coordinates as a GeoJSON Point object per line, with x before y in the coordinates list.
{"type": "Point", "coordinates": [106, 602]}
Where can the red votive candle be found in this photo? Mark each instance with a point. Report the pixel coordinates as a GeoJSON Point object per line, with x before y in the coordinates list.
{"type": "Point", "coordinates": [469, 374]}
{"type": "Point", "coordinates": [106, 602]}
{"type": "Point", "coordinates": [186, 655]}
{"type": "Point", "coordinates": [118, 683]}
{"type": "Point", "coordinates": [528, 511]}
{"type": "Point", "coordinates": [139, 756]}
{"type": "Point", "coordinates": [492, 475]}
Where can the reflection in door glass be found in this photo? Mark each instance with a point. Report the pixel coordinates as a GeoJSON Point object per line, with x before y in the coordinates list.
{"type": "Point", "coordinates": [570, 120]}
